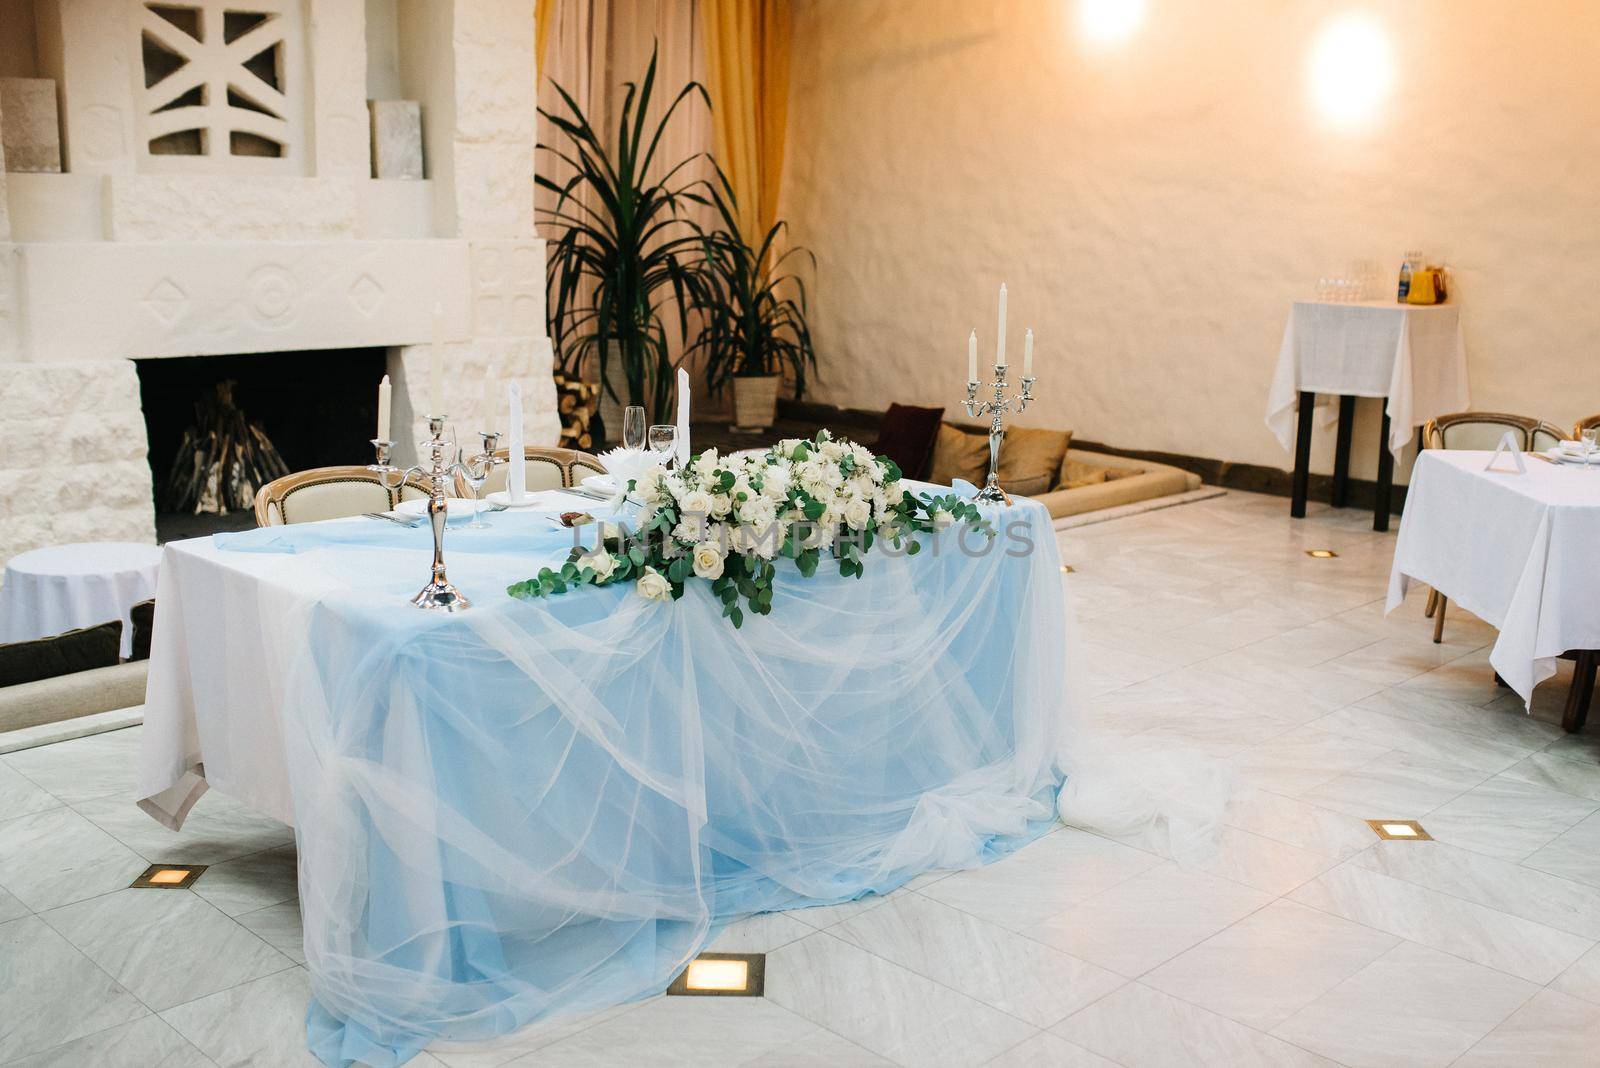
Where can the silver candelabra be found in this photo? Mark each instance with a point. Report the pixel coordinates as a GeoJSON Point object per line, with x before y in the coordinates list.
{"type": "Point", "coordinates": [439, 472]}
{"type": "Point", "coordinates": [996, 410]}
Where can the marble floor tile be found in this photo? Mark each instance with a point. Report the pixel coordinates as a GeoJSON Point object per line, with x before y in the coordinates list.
{"type": "Point", "coordinates": [1263, 863]}
{"type": "Point", "coordinates": [56, 856]}
{"type": "Point", "coordinates": [167, 946]}
{"type": "Point", "coordinates": [1422, 739]}
{"type": "Point", "coordinates": [1042, 878]}
{"type": "Point", "coordinates": [1506, 818]}
{"type": "Point", "coordinates": [1398, 785]}
{"type": "Point", "coordinates": [1582, 980]}
{"type": "Point", "coordinates": [217, 829]}
{"type": "Point", "coordinates": [1149, 919]}
{"type": "Point", "coordinates": [1302, 758]}
{"type": "Point", "coordinates": [1575, 853]}
{"type": "Point", "coordinates": [1392, 661]}
{"type": "Point", "coordinates": [1580, 778]}
{"type": "Point", "coordinates": [536, 1036]}
{"type": "Point", "coordinates": [759, 934]}
{"type": "Point", "coordinates": [885, 1008]}
{"type": "Point", "coordinates": [1330, 688]}
{"type": "Point", "coordinates": [821, 917]}
{"type": "Point", "coordinates": [700, 1031]}
{"type": "Point", "coordinates": [1271, 964]}
{"type": "Point", "coordinates": [1412, 1008]}
{"type": "Point", "coordinates": [262, 1022]}
{"type": "Point", "coordinates": [1551, 1030]}
{"type": "Point", "coordinates": [21, 796]}
{"type": "Point", "coordinates": [51, 993]}
{"type": "Point", "coordinates": [82, 769]}
{"type": "Point", "coordinates": [1315, 643]}
{"type": "Point", "coordinates": [1017, 975]}
{"type": "Point", "coordinates": [144, 1043]}
{"type": "Point", "coordinates": [1143, 1028]}
{"type": "Point", "coordinates": [251, 882]}
{"type": "Point", "coordinates": [1298, 823]}
{"type": "Point", "coordinates": [279, 927]}
{"type": "Point", "coordinates": [1047, 1051]}
{"type": "Point", "coordinates": [1489, 881]}
{"type": "Point", "coordinates": [1512, 726]}
{"type": "Point", "coordinates": [10, 907]}
{"type": "Point", "coordinates": [1486, 936]}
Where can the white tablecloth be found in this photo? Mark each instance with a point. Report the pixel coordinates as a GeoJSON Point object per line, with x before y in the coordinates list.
{"type": "Point", "coordinates": [62, 587]}
{"type": "Point", "coordinates": [1411, 354]}
{"type": "Point", "coordinates": [1521, 552]}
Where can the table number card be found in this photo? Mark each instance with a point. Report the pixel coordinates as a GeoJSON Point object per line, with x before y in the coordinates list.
{"type": "Point", "coordinates": [1508, 443]}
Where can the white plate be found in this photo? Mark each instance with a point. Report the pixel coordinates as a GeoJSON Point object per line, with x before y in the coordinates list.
{"type": "Point", "coordinates": [606, 484]}
{"type": "Point", "coordinates": [531, 499]}
{"type": "Point", "coordinates": [1561, 456]}
{"type": "Point", "coordinates": [458, 507]}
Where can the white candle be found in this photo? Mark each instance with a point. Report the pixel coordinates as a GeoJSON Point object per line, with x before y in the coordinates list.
{"type": "Point", "coordinates": [383, 409]}
{"type": "Point", "coordinates": [1027, 354]}
{"type": "Point", "coordinates": [434, 370]}
{"type": "Point", "coordinates": [972, 357]}
{"type": "Point", "coordinates": [1000, 346]}
{"type": "Point", "coordinates": [490, 409]}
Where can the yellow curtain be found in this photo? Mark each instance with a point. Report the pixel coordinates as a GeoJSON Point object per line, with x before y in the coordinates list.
{"type": "Point", "coordinates": [544, 20]}
{"type": "Point", "coordinates": [747, 59]}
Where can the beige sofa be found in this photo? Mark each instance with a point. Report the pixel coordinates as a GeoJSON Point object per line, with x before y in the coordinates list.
{"type": "Point", "coordinates": [1041, 464]}
{"type": "Point", "coordinates": [82, 693]}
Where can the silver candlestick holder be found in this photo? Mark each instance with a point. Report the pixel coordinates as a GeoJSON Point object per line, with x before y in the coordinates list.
{"type": "Point", "coordinates": [439, 472]}
{"type": "Point", "coordinates": [996, 410]}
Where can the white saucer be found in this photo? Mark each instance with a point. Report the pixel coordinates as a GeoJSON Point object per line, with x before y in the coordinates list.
{"type": "Point", "coordinates": [606, 484]}
{"type": "Point", "coordinates": [531, 499]}
{"type": "Point", "coordinates": [457, 507]}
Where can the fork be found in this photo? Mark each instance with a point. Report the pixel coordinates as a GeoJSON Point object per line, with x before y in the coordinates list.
{"type": "Point", "coordinates": [391, 518]}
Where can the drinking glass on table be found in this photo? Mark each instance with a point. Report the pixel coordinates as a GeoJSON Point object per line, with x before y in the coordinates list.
{"type": "Point", "coordinates": [633, 425]}
{"type": "Point", "coordinates": [664, 443]}
{"type": "Point", "coordinates": [474, 477]}
{"type": "Point", "coordinates": [1591, 442]}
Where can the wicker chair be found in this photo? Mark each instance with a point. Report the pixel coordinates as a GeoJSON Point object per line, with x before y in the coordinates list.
{"type": "Point", "coordinates": [1482, 431]}
{"type": "Point", "coordinates": [548, 468]}
{"type": "Point", "coordinates": [327, 493]}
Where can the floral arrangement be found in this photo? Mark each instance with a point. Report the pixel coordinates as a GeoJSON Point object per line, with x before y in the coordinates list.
{"type": "Point", "coordinates": [729, 520]}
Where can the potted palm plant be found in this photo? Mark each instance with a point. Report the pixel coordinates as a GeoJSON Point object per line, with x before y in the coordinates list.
{"type": "Point", "coordinates": [622, 250]}
{"type": "Point", "coordinates": [753, 316]}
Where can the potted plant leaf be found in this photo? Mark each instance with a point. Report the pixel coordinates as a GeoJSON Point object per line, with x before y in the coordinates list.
{"type": "Point", "coordinates": [753, 316]}
{"type": "Point", "coordinates": [621, 250]}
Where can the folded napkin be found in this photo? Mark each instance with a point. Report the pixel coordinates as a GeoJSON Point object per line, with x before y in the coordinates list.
{"type": "Point", "coordinates": [529, 530]}
{"type": "Point", "coordinates": [683, 417]}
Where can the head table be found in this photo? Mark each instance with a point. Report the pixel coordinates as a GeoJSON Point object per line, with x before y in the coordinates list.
{"type": "Point", "coordinates": [548, 806]}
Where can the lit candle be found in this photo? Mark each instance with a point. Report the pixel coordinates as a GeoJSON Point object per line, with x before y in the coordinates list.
{"type": "Point", "coordinates": [434, 370]}
{"type": "Point", "coordinates": [1027, 354]}
{"type": "Point", "coordinates": [490, 409]}
{"type": "Point", "coordinates": [972, 357]}
{"type": "Point", "coordinates": [1000, 346]}
{"type": "Point", "coordinates": [383, 409]}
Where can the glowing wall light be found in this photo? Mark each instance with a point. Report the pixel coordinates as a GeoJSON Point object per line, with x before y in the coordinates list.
{"type": "Point", "coordinates": [1352, 68]}
{"type": "Point", "coordinates": [1107, 22]}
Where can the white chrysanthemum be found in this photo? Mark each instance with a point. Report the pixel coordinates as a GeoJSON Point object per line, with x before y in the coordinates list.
{"type": "Point", "coordinates": [942, 519]}
{"type": "Point", "coordinates": [775, 482]}
{"type": "Point", "coordinates": [758, 511]}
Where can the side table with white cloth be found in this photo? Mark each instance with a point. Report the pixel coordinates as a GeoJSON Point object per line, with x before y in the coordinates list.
{"type": "Point", "coordinates": [548, 806]}
{"type": "Point", "coordinates": [1411, 354]}
{"type": "Point", "coordinates": [62, 587]}
{"type": "Point", "coordinates": [1518, 550]}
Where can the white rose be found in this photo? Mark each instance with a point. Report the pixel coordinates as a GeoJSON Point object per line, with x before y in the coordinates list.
{"type": "Point", "coordinates": [942, 519]}
{"type": "Point", "coordinates": [721, 504]}
{"type": "Point", "coordinates": [741, 488]}
{"type": "Point", "coordinates": [695, 502]}
{"type": "Point", "coordinates": [602, 563]}
{"type": "Point", "coordinates": [858, 513]}
{"type": "Point", "coordinates": [653, 585]}
{"type": "Point", "coordinates": [708, 560]}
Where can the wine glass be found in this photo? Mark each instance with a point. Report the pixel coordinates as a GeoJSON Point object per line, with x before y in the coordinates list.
{"type": "Point", "coordinates": [633, 425]}
{"type": "Point", "coordinates": [1591, 442]}
{"type": "Point", "coordinates": [664, 443]}
{"type": "Point", "coordinates": [475, 477]}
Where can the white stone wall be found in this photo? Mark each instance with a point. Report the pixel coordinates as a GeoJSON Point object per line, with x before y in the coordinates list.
{"type": "Point", "coordinates": [73, 463]}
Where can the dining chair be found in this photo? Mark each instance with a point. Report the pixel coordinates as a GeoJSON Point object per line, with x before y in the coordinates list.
{"type": "Point", "coordinates": [548, 468]}
{"type": "Point", "coordinates": [1482, 431]}
{"type": "Point", "coordinates": [327, 493]}
{"type": "Point", "coordinates": [1586, 423]}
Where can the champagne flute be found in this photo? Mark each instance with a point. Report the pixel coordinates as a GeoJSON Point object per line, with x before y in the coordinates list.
{"type": "Point", "coordinates": [664, 443]}
{"type": "Point", "coordinates": [633, 425]}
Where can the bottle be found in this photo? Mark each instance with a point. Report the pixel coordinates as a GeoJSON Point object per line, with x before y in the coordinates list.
{"type": "Point", "coordinates": [1405, 280]}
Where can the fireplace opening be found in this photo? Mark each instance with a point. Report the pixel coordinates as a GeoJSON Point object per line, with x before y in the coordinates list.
{"type": "Point", "coordinates": [243, 413]}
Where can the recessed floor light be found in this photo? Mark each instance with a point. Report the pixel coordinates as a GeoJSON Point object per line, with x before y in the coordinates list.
{"type": "Point", "coordinates": [738, 975]}
{"type": "Point", "coordinates": [1399, 830]}
{"type": "Point", "coordinates": [1322, 554]}
{"type": "Point", "coordinates": [169, 876]}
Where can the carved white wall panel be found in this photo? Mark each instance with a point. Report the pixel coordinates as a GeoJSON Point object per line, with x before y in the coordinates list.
{"type": "Point", "coordinates": [338, 43]}
{"type": "Point", "coordinates": [90, 47]}
{"type": "Point", "coordinates": [219, 208]}
{"type": "Point", "coordinates": [508, 289]}
{"type": "Point", "coordinates": [159, 299]}
{"type": "Point", "coordinates": [226, 86]}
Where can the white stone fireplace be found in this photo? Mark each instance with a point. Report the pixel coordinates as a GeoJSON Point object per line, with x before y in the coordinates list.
{"type": "Point", "coordinates": [216, 197]}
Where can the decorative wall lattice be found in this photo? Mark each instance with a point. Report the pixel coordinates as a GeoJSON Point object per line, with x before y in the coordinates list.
{"type": "Point", "coordinates": [223, 85]}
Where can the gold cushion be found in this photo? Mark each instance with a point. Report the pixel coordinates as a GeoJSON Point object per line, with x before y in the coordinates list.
{"type": "Point", "coordinates": [959, 454]}
{"type": "Point", "coordinates": [1031, 458]}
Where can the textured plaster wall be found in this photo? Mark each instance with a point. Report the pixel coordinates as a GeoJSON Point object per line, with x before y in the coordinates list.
{"type": "Point", "coordinates": [1156, 204]}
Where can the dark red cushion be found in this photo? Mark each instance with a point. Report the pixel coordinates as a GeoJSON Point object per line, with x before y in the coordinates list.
{"type": "Point", "coordinates": [906, 436]}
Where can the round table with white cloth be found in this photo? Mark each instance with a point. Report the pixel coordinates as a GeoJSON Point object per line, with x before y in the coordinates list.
{"type": "Point", "coordinates": [61, 587]}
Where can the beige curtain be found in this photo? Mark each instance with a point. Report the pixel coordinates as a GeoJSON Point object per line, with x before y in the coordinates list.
{"type": "Point", "coordinates": [747, 59]}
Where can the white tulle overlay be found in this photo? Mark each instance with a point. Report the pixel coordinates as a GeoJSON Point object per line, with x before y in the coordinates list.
{"type": "Point", "coordinates": [541, 807]}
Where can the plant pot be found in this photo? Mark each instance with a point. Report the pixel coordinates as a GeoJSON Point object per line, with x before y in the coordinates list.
{"type": "Point", "coordinates": [755, 401]}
